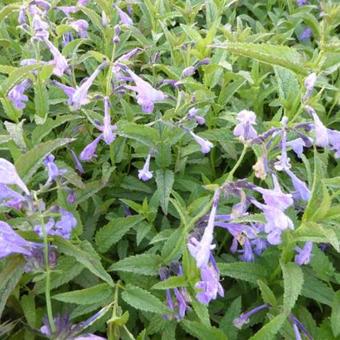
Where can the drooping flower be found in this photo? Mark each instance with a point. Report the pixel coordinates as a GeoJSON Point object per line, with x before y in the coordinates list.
{"type": "Point", "coordinates": [124, 18]}
{"type": "Point", "coordinates": [63, 227]}
{"type": "Point", "coordinates": [145, 174]}
{"type": "Point", "coordinates": [9, 175]}
{"type": "Point", "coordinates": [283, 160]}
{"type": "Point", "coordinates": [80, 26]}
{"type": "Point", "coordinates": [10, 198]}
{"type": "Point", "coordinates": [304, 254]}
{"type": "Point", "coordinates": [321, 133]}
{"type": "Point", "coordinates": [80, 95]}
{"type": "Point", "coordinates": [201, 250]}
{"type": "Point", "coordinates": [147, 96]}
{"type": "Point", "coordinates": [306, 34]}
{"type": "Point", "coordinates": [53, 171]}
{"type": "Point", "coordinates": [301, 188]}
{"type": "Point", "coordinates": [209, 285]}
{"type": "Point", "coordinates": [203, 143]}
{"type": "Point", "coordinates": [67, 10]}
{"type": "Point", "coordinates": [298, 327]}
{"type": "Point", "coordinates": [83, 2]}
{"type": "Point", "coordinates": [40, 28]}
{"type": "Point", "coordinates": [17, 94]}
{"type": "Point", "coordinates": [89, 152]}
{"type": "Point", "coordinates": [13, 243]}
{"type": "Point", "coordinates": [244, 130]}
{"type": "Point", "coordinates": [302, 2]}
{"type": "Point", "coordinates": [244, 317]}
{"type": "Point", "coordinates": [192, 115]}
{"type": "Point", "coordinates": [22, 18]}
{"type": "Point", "coordinates": [334, 141]}
{"type": "Point", "coordinates": [309, 85]}
{"type": "Point", "coordinates": [188, 71]}
{"type": "Point", "coordinates": [297, 146]}
{"type": "Point", "coordinates": [108, 135]}
{"type": "Point", "coordinates": [59, 61]}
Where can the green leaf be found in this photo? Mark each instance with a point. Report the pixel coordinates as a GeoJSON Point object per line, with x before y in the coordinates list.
{"type": "Point", "coordinates": [8, 10]}
{"type": "Point", "coordinates": [267, 294]}
{"type": "Point", "coordinates": [143, 300]}
{"type": "Point", "coordinates": [335, 316]}
{"type": "Point", "coordinates": [317, 290]}
{"type": "Point", "coordinates": [86, 255]}
{"type": "Point", "coordinates": [145, 264]}
{"type": "Point", "coordinates": [87, 296]}
{"type": "Point", "coordinates": [29, 308]}
{"type": "Point", "coordinates": [201, 311]}
{"type": "Point", "coordinates": [165, 181]}
{"type": "Point", "coordinates": [171, 282]}
{"type": "Point", "coordinates": [9, 277]}
{"type": "Point", "coordinates": [201, 331]}
{"type": "Point", "coordinates": [112, 232]}
{"type": "Point", "coordinates": [174, 245]}
{"type": "Point", "coordinates": [278, 55]}
{"type": "Point", "coordinates": [28, 163]}
{"type": "Point", "coordinates": [268, 331]}
{"type": "Point", "coordinates": [40, 101]}
{"type": "Point", "coordinates": [292, 281]}
{"type": "Point", "coordinates": [226, 323]}
{"type": "Point", "coordinates": [245, 271]}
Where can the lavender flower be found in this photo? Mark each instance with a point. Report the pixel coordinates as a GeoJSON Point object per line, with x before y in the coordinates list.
{"type": "Point", "coordinates": [22, 18]}
{"type": "Point", "coordinates": [59, 61]}
{"type": "Point", "coordinates": [62, 228]}
{"type": "Point", "coordinates": [89, 151]}
{"type": "Point", "coordinates": [321, 132]}
{"type": "Point", "coordinates": [16, 94]}
{"type": "Point", "coordinates": [209, 285]}
{"type": "Point", "coordinates": [192, 114]}
{"type": "Point", "coordinates": [67, 10]}
{"type": "Point", "coordinates": [9, 175]}
{"type": "Point", "coordinates": [302, 2]}
{"type": "Point", "coordinates": [201, 250]}
{"type": "Point", "coordinates": [301, 188]}
{"type": "Point", "coordinates": [145, 174]}
{"type": "Point", "coordinates": [244, 129]}
{"type": "Point", "coordinates": [124, 18]}
{"type": "Point", "coordinates": [108, 135]}
{"type": "Point", "coordinates": [297, 146]}
{"type": "Point", "coordinates": [68, 90]}
{"type": "Point", "coordinates": [76, 162]}
{"type": "Point", "coordinates": [12, 243]}
{"type": "Point", "coordinates": [244, 317]}
{"type": "Point", "coordinates": [146, 94]}
{"type": "Point", "coordinates": [83, 2]}
{"type": "Point", "coordinates": [10, 198]}
{"type": "Point", "coordinates": [283, 162]}
{"type": "Point", "coordinates": [40, 28]}
{"type": "Point", "coordinates": [306, 34]}
{"type": "Point", "coordinates": [105, 19]}
{"type": "Point", "coordinates": [79, 96]}
{"type": "Point", "coordinates": [309, 85]}
{"type": "Point", "coordinates": [189, 71]}
{"type": "Point", "coordinates": [334, 141]}
{"type": "Point", "coordinates": [80, 26]}
{"type": "Point", "coordinates": [203, 143]}
{"type": "Point", "coordinates": [304, 254]}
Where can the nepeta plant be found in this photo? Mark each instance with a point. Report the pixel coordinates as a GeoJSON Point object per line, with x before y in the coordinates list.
{"type": "Point", "coordinates": [169, 169]}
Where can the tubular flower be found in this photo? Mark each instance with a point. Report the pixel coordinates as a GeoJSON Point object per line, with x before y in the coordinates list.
{"type": "Point", "coordinates": [244, 129]}
{"type": "Point", "coordinates": [145, 174]}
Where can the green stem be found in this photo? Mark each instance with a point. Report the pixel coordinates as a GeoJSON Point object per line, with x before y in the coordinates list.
{"type": "Point", "coordinates": [238, 163]}
{"type": "Point", "coordinates": [47, 281]}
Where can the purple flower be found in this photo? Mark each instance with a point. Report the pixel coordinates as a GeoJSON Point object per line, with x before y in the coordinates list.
{"type": "Point", "coordinates": [80, 95]}
{"type": "Point", "coordinates": [22, 19]}
{"type": "Point", "coordinates": [309, 85]}
{"type": "Point", "coordinates": [40, 28]}
{"type": "Point", "coordinates": [16, 94]}
{"type": "Point", "coordinates": [67, 10]}
{"type": "Point", "coordinates": [146, 94]}
{"type": "Point", "coordinates": [12, 243]}
{"type": "Point", "coordinates": [108, 135]}
{"type": "Point", "coordinates": [59, 61]}
{"type": "Point", "coordinates": [244, 129]}
{"type": "Point", "coordinates": [9, 175]}
{"type": "Point", "coordinates": [201, 250]}
{"type": "Point", "coordinates": [203, 143]}
{"type": "Point", "coordinates": [189, 71]}
{"type": "Point", "coordinates": [83, 2]}
{"type": "Point", "coordinates": [297, 146]}
{"type": "Point", "coordinates": [192, 114]}
{"type": "Point", "coordinates": [244, 317]}
{"type": "Point", "coordinates": [209, 285]}
{"type": "Point", "coordinates": [62, 228]}
{"type": "Point", "coordinates": [302, 2]}
{"type": "Point", "coordinates": [77, 163]}
{"type": "Point", "coordinates": [80, 26]}
{"type": "Point", "coordinates": [301, 188]}
{"type": "Point", "coordinates": [124, 18]}
{"type": "Point", "coordinates": [68, 90]}
{"type": "Point", "coordinates": [10, 198]}
{"type": "Point", "coordinates": [321, 133]}
{"type": "Point", "coordinates": [89, 151]}
{"type": "Point", "coordinates": [304, 254]}
{"type": "Point", "coordinates": [53, 170]}
{"type": "Point", "coordinates": [71, 197]}
{"type": "Point", "coordinates": [275, 197]}
{"type": "Point", "coordinates": [283, 160]}
{"type": "Point", "coordinates": [306, 34]}
{"type": "Point", "coordinates": [145, 174]}
{"type": "Point", "coordinates": [334, 141]}
{"type": "Point", "coordinates": [105, 19]}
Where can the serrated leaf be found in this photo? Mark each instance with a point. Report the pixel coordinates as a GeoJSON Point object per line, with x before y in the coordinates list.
{"type": "Point", "coordinates": [269, 330]}
{"type": "Point", "coordinates": [86, 296]}
{"type": "Point", "coordinates": [112, 232]}
{"type": "Point", "coordinates": [292, 282]}
{"type": "Point", "coordinates": [174, 245]}
{"type": "Point", "coordinates": [9, 277]}
{"type": "Point", "coordinates": [171, 282]}
{"type": "Point", "coordinates": [278, 55]}
{"type": "Point", "coordinates": [201, 331]}
{"type": "Point", "coordinates": [245, 271]}
{"type": "Point", "coordinates": [28, 163]}
{"type": "Point", "coordinates": [335, 316]}
{"type": "Point", "coordinates": [88, 258]}
{"type": "Point", "coordinates": [143, 300]}
{"type": "Point", "coordinates": [226, 323]}
{"type": "Point", "coordinates": [145, 264]}
{"type": "Point", "coordinates": [267, 294]}
{"type": "Point", "coordinates": [165, 180]}
{"type": "Point", "coordinates": [40, 101]}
